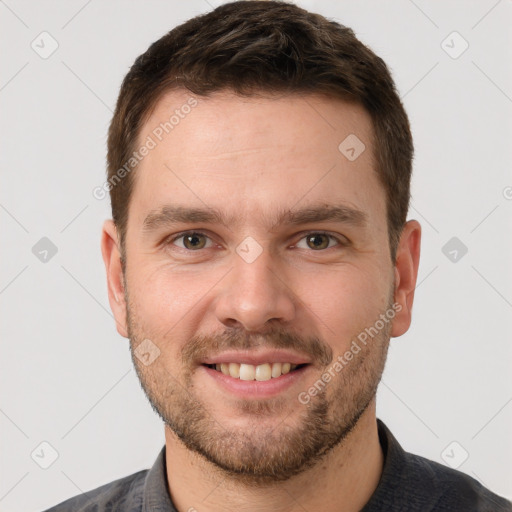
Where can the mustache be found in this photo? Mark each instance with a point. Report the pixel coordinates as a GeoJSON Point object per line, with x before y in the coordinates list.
{"type": "Point", "coordinates": [201, 347]}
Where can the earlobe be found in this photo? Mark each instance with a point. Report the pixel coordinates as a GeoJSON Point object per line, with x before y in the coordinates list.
{"type": "Point", "coordinates": [406, 274]}
{"type": "Point", "coordinates": [115, 280]}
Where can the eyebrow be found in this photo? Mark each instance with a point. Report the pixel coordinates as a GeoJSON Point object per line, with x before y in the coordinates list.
{"type": "Point", "coordinates": [169, 215]}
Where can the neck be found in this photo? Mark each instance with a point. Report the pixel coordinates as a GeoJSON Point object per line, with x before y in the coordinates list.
{"type": "Point", "coordinates": [343, 480]}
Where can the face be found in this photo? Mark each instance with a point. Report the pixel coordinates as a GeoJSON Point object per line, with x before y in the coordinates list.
{"type": "Point", "coordinates": [253, 241]}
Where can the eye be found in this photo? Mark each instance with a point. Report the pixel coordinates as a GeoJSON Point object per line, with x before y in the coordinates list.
{"type": "Point", "coordinates": [318, 241]}
{"type": "Point", "coordinates": [192, 240]}
{"type": "Point", "coordinates": [195, 240]}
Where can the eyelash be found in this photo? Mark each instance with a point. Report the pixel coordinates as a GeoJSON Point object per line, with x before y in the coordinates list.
{"type": "Point", "coordinates": [171, 240]}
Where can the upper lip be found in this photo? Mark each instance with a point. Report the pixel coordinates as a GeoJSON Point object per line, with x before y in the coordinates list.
{"type": "Point", "coordinates": [256, 358]}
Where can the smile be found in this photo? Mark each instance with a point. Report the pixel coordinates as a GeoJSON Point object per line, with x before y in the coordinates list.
{"type": "Point", "coordinates": [261, 372]}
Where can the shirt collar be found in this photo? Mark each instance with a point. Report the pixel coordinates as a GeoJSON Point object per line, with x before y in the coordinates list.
{"type": "Point", "coordinates": [156, 493]}
{"type": "Point", "coordinates": [394, 464]}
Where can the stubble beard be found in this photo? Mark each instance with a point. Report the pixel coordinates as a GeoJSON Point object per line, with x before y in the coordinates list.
{"type": "Point", "coordinates": [260, 454]}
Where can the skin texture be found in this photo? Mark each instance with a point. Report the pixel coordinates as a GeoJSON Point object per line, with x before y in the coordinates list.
{"type": "Point", "coordinates": [253, 158]}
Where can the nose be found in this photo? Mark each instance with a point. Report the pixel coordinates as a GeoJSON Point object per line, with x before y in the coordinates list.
{"type": "Point", "coordinates": [254, 295]}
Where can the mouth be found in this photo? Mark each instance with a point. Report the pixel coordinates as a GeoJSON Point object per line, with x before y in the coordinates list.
{"type": "Point", "coordinates": [261, 372]}
{"type": "Point", "coordinates": [255, 382]}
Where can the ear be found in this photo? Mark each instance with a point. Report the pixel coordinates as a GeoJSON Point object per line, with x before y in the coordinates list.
{"type": "Point", "coordinates": [115, 280]}
{"type": "Point", "coordinates": [406, 273]}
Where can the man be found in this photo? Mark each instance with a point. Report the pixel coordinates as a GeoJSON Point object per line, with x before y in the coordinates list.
{"type": "Point", "coordinates": [259, 260]}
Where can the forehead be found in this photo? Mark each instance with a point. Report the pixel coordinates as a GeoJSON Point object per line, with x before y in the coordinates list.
{"type": "Point", "coordinates": [249, 155]}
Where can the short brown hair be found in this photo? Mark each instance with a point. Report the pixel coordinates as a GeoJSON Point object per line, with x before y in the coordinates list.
{"type": "Point", "coordinates": [272, 46]}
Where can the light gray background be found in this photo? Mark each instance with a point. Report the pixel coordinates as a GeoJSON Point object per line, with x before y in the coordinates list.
{"type": "Point", "coordinates": [66, 375]}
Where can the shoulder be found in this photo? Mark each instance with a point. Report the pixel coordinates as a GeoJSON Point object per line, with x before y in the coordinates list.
{"type": "Point", "coordinates": [123, 495]}
{"type": "Point", "coordinates": [449, 489]}
{"type": "Point", "coordinates": [412, 482]}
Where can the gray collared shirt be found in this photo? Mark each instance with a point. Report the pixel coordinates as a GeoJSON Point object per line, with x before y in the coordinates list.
{"type": "Point", "coordinates": [408, 483]}
{"type": "Point", "coordinates": [144, 491]}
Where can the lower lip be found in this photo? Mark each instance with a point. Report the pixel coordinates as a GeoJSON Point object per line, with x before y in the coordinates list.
{"type": "Point", "coordinates": [256, 389]}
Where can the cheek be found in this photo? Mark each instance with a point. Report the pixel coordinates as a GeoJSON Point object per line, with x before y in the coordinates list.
{"type": "Point", "coordinates": [158, 313]}
{"type": "Point", "coordinates": [345, 302]}
{"type": "Point", "coordinates": [166, 301]}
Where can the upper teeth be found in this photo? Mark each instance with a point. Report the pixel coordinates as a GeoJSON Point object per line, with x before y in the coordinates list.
{"type": "Point", "coordinates": [260, 372]}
